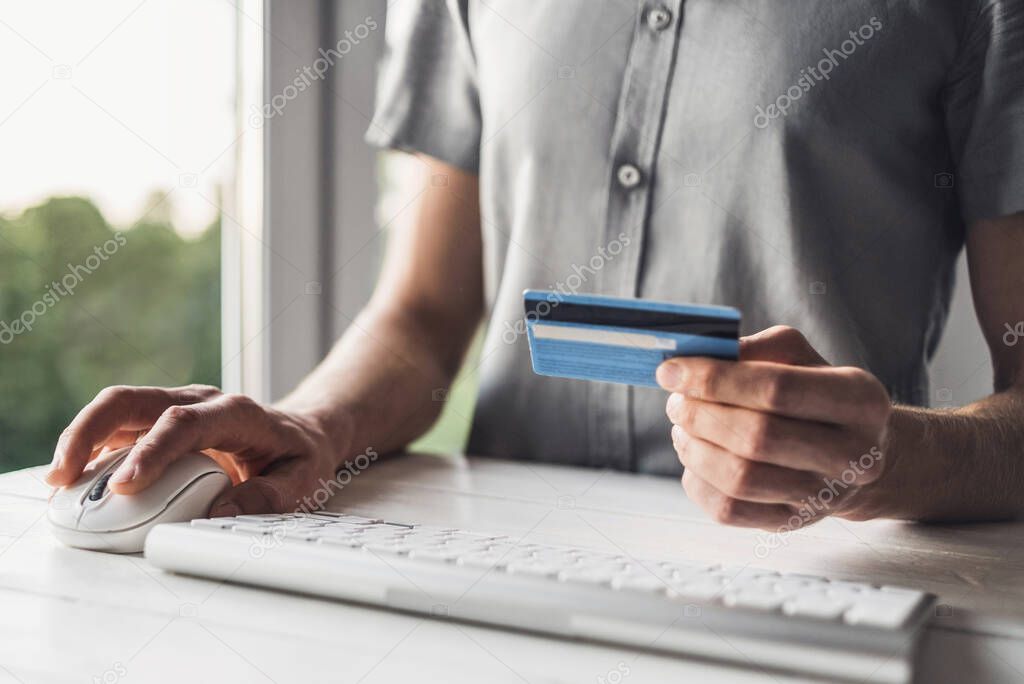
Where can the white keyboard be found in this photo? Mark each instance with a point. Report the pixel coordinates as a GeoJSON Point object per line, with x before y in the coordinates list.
{"type": "Point", "coordinates": [785, 622]}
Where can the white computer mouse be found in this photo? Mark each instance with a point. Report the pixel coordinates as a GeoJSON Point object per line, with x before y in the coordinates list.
{"type": "Point", "coordinates": [87, 515]}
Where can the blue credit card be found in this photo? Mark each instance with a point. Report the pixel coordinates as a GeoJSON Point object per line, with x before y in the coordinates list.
{"type": "Point", "coordinates": [612, 339]}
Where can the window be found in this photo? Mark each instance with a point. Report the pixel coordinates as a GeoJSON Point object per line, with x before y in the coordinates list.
{"type": "Point", "coordinates": [118, 127]}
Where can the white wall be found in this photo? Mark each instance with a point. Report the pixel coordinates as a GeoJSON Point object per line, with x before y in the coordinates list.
{"type": "Point", "coordinates": [961, 370]}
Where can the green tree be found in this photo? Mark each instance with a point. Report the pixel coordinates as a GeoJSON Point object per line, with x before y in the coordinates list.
{"type": "Point", "coordinates": [147, 313]}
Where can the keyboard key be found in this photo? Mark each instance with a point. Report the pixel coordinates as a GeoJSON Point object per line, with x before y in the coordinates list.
{"type": "Point", "coordinates": [704, 590]}
{"type": "Point", "coordinates": [213, 523]}
{"type": "Point", "coordinates": [349, 542]}
{"type": "Point", "coordinates": [593, 559]}
{"type": "Point", "coordinates": [596, 576]}
{"type": "Point", "coordinates": [858, 587]}
{"type": "Point", "coordinates": [817, 606]}
{"type": "Point", "coordinates": [745, 574]}
{"type": "Point", "coordinates": [391, 549]}
{"type": "Point", "coordinates": [684, 571]}
{"type": "Point", "coordinates": [755, 600]}
{"type": "Point", "coordinates": [299, 533]}
{"type": "Point", "coordinates": [382, 540]}
{"type": "Point", "coordinates": [484, 561]}
{"type": "Point", "coordinates": [339, 524]}
{"type": "Point", "coordinates": [814, 579]}
{"type": "Point", "coordinates": [847, 592]}
{"type": "Point", "coordinates": [251, 528]}
{"type": "Point", "coordinates": [901, 591]}
{"type": "Point", "coordinates": [646, 583]}
{"type": "Point", "coordinates": [557, 557]}
{"type": "Point", "coordinates": [434, 554]}
{"type": "Point", "coordinates": [262, 517]}
{"type": "Point", "coordinates": [792, 587]}
{"type": "Point", "coordinates": [884, 610]}
{"type": "Point", "coordinates": [536, 569]}
{"type": "Point", "coordinates": [330, 531]}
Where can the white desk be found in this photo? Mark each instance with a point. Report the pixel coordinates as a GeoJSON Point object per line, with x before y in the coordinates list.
{"type": "Point", "coordinates": [68, 615]}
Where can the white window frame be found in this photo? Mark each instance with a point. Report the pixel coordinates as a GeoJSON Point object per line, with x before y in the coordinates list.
{"type": "Point", "coordinates": [299, 246]}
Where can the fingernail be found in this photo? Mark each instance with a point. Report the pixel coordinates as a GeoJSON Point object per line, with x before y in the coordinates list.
{"type": "Point", "coordinates": [672, 406]}
{"type": "Point", "coordinates": [51, 477]}
{"type": "Point", "coordinates": [126, 473]}
{"type": "Point", "coordinates": [678, 435]}
{"type": "Point", "coordinates": [669, 375]}
{"type": "Point", "coordinates": [225, 510]}
{"type": "Point", "coordinates": [56, 463]}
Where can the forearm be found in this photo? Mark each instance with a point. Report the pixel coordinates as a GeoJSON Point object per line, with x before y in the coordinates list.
{"type": "Point", "coordinates": [962, 464]}
{"type": "Point", "coordinates": [377, 388]}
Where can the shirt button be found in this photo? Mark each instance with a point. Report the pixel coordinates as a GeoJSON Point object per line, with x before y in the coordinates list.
{"type": "Point", "coordinates": [658, 18]}
{"type": "Point", "coordinates": [628, 176]}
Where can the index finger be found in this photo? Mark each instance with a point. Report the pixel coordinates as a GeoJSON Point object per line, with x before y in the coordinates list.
{"type": "Point", "coordinates": [822, 393]}
{"type": "Point", "coordinates": [114, 409]}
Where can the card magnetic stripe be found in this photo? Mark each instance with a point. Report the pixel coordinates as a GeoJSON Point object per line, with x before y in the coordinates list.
{"type": "Point", "coordinates": [618, 363]}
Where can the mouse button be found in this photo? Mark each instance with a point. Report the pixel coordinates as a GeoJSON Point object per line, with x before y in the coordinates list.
{"type": "Point", "coordinates": [194, 501]}
{"type": "Point", "coordinates": [117, 512]}
{"type": "Point", "coordinates": [179, 474]}
{"type": "Point", "coordinates": [64, 508]}
{"type": "Point", "coordinates": [114, 512]}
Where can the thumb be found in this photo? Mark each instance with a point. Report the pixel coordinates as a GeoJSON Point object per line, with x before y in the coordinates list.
{"type": "Point", "coordinates": [274, 491]}
{"type": "Point", "coordinates": [781, 344]}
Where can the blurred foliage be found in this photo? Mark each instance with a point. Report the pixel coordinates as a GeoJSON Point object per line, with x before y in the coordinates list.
{"type": "Point", "coordinates": [451, 431]}
{"type": "Point", "coordinates": [148, 314]}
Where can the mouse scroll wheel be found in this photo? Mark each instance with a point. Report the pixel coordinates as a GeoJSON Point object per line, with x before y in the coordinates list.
{"type": "Point", "coordinates": [98, 489]}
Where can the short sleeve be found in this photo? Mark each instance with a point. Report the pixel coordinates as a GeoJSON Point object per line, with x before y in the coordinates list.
{"type": "Point", "coordinates": [427, 98]}
{"type": "Point", "coordinates": [984, 104]}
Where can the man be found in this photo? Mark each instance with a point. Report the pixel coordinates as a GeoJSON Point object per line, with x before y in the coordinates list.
{"type": "Point", "coordinates": [817, 164]}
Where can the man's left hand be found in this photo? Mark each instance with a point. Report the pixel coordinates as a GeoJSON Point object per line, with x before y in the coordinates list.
{"type": "Point", "coordinates": [778, 439]}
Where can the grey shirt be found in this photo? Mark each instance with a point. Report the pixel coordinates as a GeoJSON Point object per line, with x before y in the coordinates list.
{"type": "Point", "coordinates": [814, 163]}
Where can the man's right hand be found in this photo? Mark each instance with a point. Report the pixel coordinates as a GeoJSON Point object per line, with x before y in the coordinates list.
{"type": "Point", "coordinates": [274, 457]}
